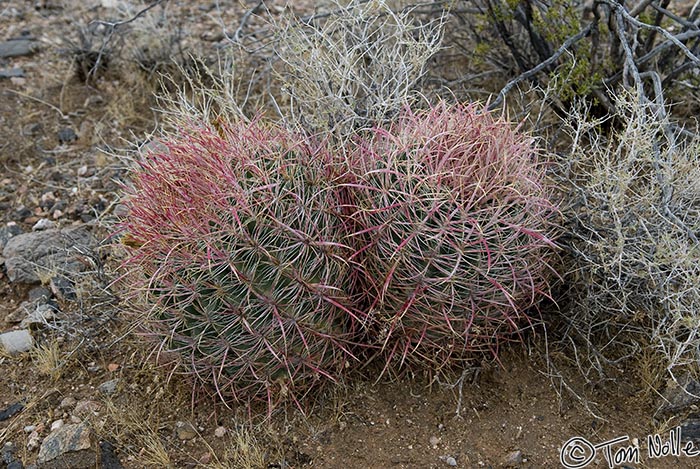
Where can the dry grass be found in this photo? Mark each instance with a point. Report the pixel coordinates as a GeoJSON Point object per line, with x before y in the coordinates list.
{"type": "Point", "coordinates": [49, 360]}
{"type": "Point", "coordinates": [137, 429]}
{"type": "Point", "coordinates": [357, 67]}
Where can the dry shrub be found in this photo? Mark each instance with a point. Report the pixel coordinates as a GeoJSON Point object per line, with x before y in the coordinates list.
{"type": "Point", "coordinates": [632, 214]}
{"type": "Point", "coordinates": [357, 66]}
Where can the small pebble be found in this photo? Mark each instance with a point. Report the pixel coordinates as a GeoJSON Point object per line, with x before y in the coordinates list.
{"type": "Point", "coordinates": [67, 135]}
{"type": "Point", "coordinates": [56, 424]}
{"type": "Point", "coordinates": [32, 129]}
{"type": "Point", "coordinates": [513, 459]}
{"type": "Point", "coordinates": [185, 431]}
{"type": "Point", "coordinates": [108, 387]}
{"type": "Point", "coordinates": [67, 402]}
{"type": "Point", "coordinates": [33, 441]}
{"type": "Point", "coordinates": [451, 461]}
{"type": "Point", "coordinates": [220, 432]}
{"type": "Point", "coordinates": [29, 428]}
{"type": "Point", "coordinates": [43, 224]}
{"type": "Point", "coordinates": [434, 441]}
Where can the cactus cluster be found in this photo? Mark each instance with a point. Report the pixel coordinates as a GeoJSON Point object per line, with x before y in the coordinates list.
{"type": "Point", "coordinates": [234, 244]}
{"type": "Point", "coordinates": [271, 263]}
{"type": "Point", "coordinates": [456, 230]}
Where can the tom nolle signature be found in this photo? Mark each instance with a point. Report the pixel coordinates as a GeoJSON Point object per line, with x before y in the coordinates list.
{"type": "Point", "coordinates": [578, 452]}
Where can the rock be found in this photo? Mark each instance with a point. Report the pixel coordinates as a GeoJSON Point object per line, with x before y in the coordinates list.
{"type": "Point", "coordinates": [8, 452]}
{"type": "Point", "coordinates": [14, 342]}
{"type": "Point", "coordinates": [62, 288]}
{"type": "Point", "coordinates": [33, 440]}
{"type": "Point", "coordinates": [29, 428]}
{"type": "Point", "coordinates": [44, 224]}
{"type": "Point", "coordinates": [69, 446]}
{"type": "Point", "coordinates": [680, 395]}
{"type": "Point", "coordinates": [7, 232]}
{"type": "Point", "coordinates": [20, 313]}
{"type": "Point", "coordinates": [109, 459]}
{"type": "Point", "coordinates": [18, 48]}
{"type": "Point", "coordinates": [67, 402]}
{"type": "Point", "coordinates": [513, 459]}
{"type": "Point", "coordinates": [108, 387]}
{"type": "Point", "coordinates": [11, 411]}
{"type": "Point", "coordinates": [39, 295]}
{"type": "Point", "coordinates": [85, 409]}
{"type": "Point", "coordinates": [67, 135]}
{"type": "Point", "coordinates": [220, 432]}
{"type": "Point", "coordinates": [449, 460]}
{"type": "Point", "coordinates": [185, 431]}
{"type": "Point", "coordinates": [690, 429]}
{"type": "Point", "coordinates": [434, 441]}
{"type": "Point", "coordinates": [41, 316]}
{"type": "Point", "coordinates": [33, 129]}
{"type": "Point", "coordinates": [56, 424]}
{"type": "Point", "coordinates": [8, 457]}
{"type": "Point", "coordinates": [11, 72]}
{"type": "Point", "coordinates": [30, 254]}
{"type": "Point", "coordinates": [36, 309]}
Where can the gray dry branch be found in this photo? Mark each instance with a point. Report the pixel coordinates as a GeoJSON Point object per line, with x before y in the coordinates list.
{"type": "Point", "coordinates": [632, 211]}
{"type": "Point", "coordinates": [590, 48]}
{"type": "Point", "coordinates": [355, 67]}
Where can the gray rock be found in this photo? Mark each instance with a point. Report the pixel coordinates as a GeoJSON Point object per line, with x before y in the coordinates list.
{"type": "Point", "coordinates": [185, 431]}
{"type": "Point", "coordinates": [513, 459]}
{"type": "Point", "coordinates": [109, 387]}
{"type": "Point", "coordinates": [10, 411]}
{"type": "Point", "coordinates": [37, 307]}
{"type": "Point", "coordinates": [109, 459]}
{"type": "Point", "coordinates": [86, 409]}
{"type": "Point", "coordinates": [450, 461]}
{"type": "Point", "coordinates": [67, 135]}
{"type": "Point", "coordinates": [62, 288]}
{"type": "Point", "coordinates": [681, 395]}
{"type": "Point", "coordinates": [69, 446]}
{"type": "Point", "coordinates": [11, 72]}
{"type": "Point", "coordinates": [8, 457]}
{"type": "Point", "coordinates": [690, 429]}
{"type": "Point", "coordinates": [18, 48]}
{"type": "Point", "coordinates": [20, 313]}
{"type": "Point", "coordinates": [44, 224]}
{"type": "Point", "coordinates": [15, 342]}
{"type": "Point", "coordinates": [32, 129]}
{"type": "Point", "coordinates": [39, 295]}
{"type": "Point", "coordinates": [67, 402]}
{"type": "Point", "coordinates": [7, 232]}
{"type": "Point", "coordinates": [39, 317]}
{"type": "Point", "coordinates": [46, 252]}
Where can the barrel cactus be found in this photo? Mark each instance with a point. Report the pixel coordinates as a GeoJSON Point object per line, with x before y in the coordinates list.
{"type": "Point", "coordinates": [232, 253]}
{"type": "Point", "coordinates": [454, 230]}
